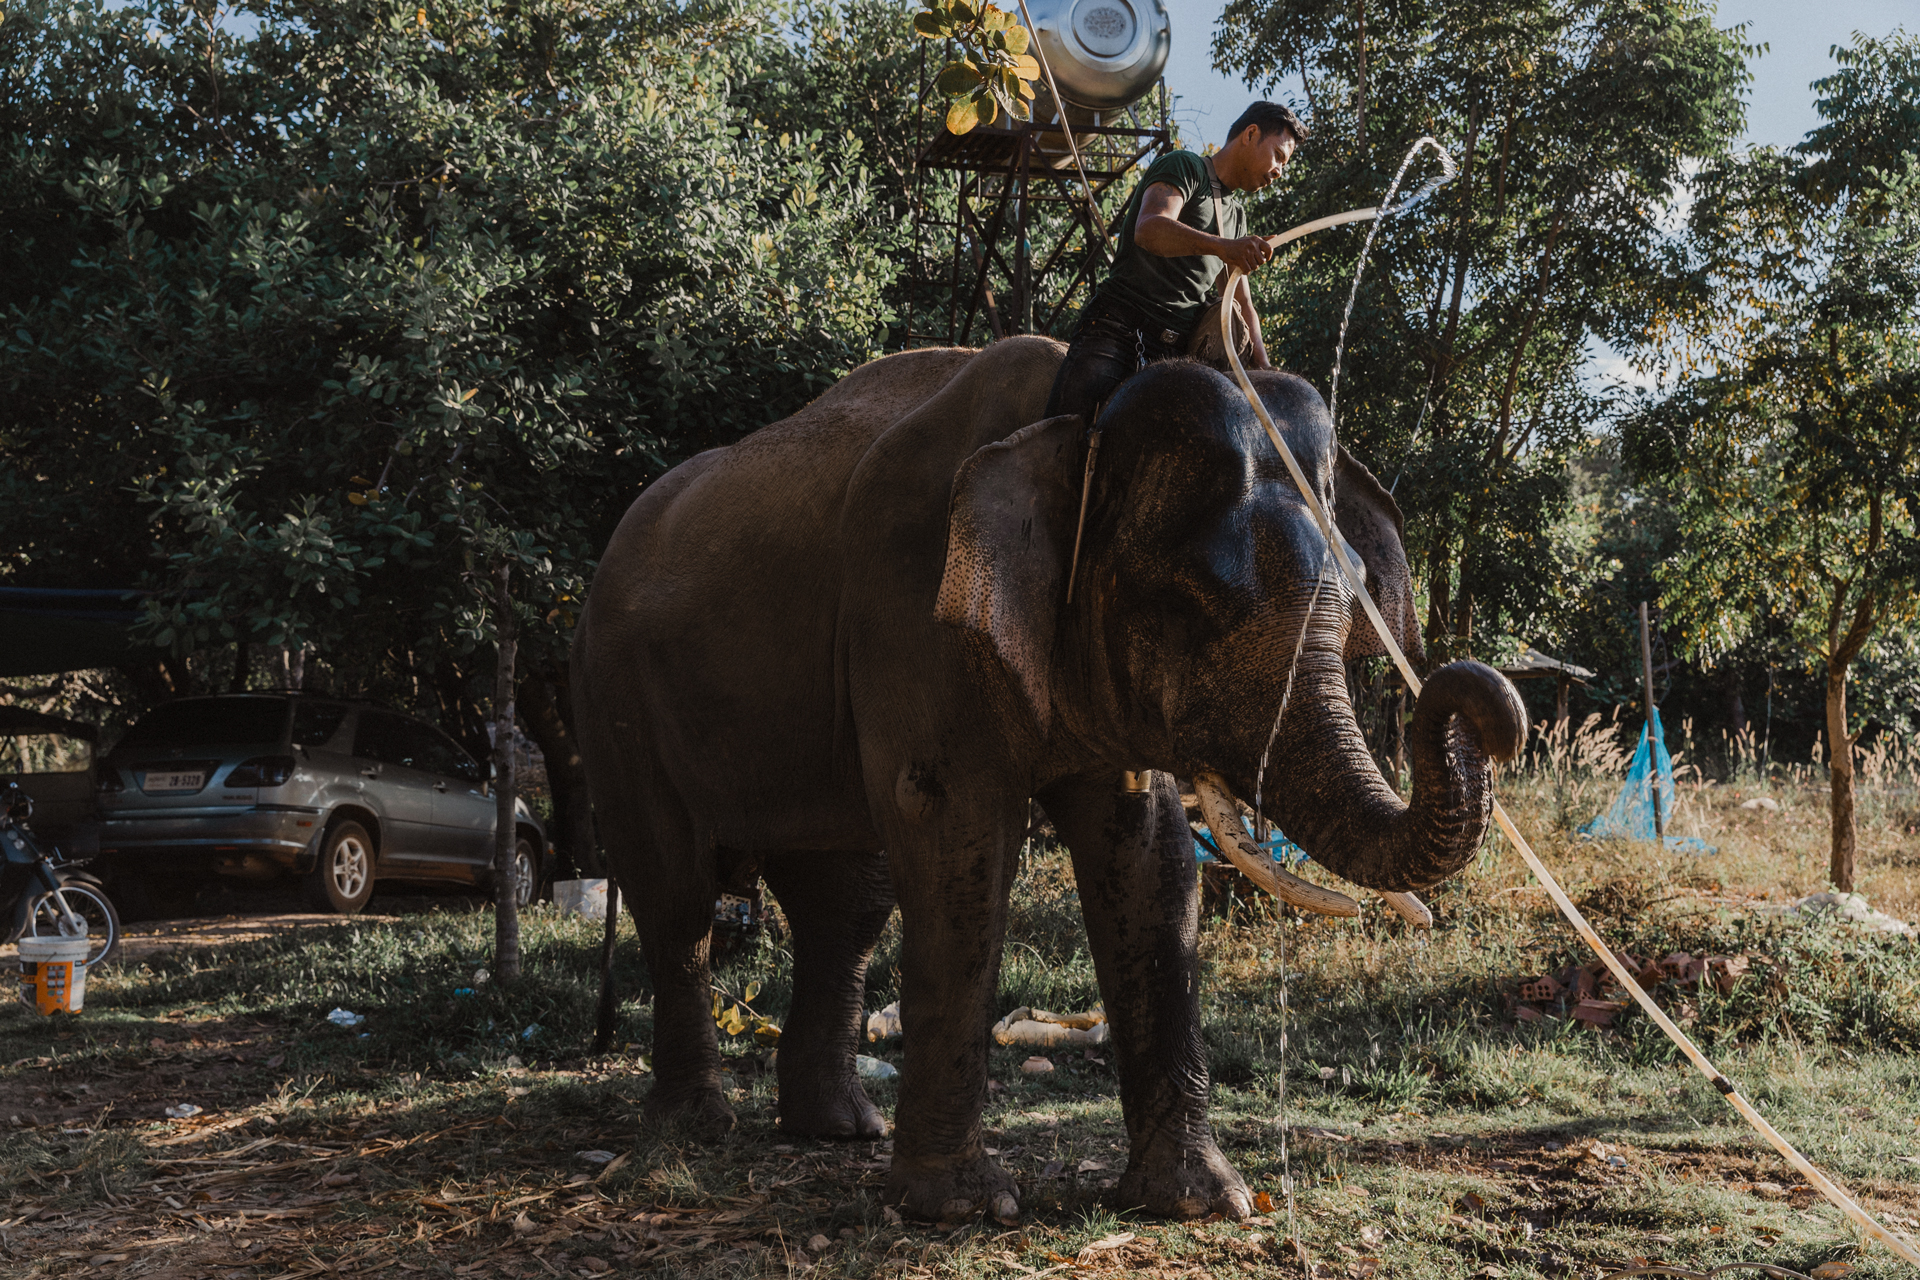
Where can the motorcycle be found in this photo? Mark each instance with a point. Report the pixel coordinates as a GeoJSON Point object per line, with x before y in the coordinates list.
{"type": "Point", "coordinates": [42, 894]}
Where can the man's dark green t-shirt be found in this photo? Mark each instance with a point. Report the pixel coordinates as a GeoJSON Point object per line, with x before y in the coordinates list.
{"type": "Point", "coordinates": [1172, 292]}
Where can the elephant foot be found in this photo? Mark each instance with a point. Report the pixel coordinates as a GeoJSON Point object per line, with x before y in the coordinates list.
{"type": "Point", "coordinates": [700, 1108]}
{"type": "Point", "coordinates": [950, 1188]}
{"type": "Point", "coordinates": [1188, 1182]}
{"type": "Point", "coordinates": [837, 1109]}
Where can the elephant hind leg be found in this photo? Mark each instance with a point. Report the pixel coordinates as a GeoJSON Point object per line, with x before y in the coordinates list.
{"type": "Point", "coordinates": [837, 904]}
{"type": "Point", "coordinates": [669, 884]}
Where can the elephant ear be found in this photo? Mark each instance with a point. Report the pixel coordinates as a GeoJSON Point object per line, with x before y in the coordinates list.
{"type": "Point", "coordinates": [1009, 534]}
{"type": "Point", "coordinates": [1369, 519]}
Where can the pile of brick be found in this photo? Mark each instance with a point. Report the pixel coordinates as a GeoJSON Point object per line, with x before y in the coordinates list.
{"type": "Point", "coordinates": [1590, 995]}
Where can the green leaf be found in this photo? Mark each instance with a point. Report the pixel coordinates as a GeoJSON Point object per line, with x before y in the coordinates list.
{"type": "Point", "coordinates": [931, 25]}
{"type": "Point", "coordinates": [957, 78]}
{"type": "Point", "coordinates": [1017, 41]}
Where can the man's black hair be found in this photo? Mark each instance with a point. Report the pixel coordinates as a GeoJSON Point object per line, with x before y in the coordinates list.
{"type": "Point", "coordinates": [1271, 117]}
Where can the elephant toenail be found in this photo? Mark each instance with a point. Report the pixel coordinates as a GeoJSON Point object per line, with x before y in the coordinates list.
{"type": "Point", "coordinates": [1190, 1207]}
{"type": "Point", "coordinates": [1006, 1209]}
{"type": "Point", "coordinates": [955, 1209]}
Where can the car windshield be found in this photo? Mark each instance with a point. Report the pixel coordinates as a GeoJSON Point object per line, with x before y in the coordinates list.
{"type": "Point", "coordinates": [206, 722]}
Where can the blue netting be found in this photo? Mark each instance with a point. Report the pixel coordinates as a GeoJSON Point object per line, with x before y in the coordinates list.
{"type": "Point", "coordinates": [1280, 849]}
{"type": "Point", "coordinates": [1631, 817]}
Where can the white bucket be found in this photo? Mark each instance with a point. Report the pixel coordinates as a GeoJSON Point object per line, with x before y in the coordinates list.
{"type": "Point", "coordinates": [582, 897]}
{"type": "Point", "coordinates": [53, 974]}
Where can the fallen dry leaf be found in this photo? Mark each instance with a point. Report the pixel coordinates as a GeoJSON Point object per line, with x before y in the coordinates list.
{"type": "Point", "coordinates": [1085, 1257]}
{"type": "Point", "coordinates": [1831, 1270]}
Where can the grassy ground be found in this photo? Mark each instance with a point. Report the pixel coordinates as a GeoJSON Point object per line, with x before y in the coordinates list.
{"type": "Point", "coordinates": [1430, 1135]}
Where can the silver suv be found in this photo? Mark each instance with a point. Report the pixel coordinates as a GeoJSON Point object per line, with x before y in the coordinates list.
{"type": "Point", "coordinates": [339, 793]}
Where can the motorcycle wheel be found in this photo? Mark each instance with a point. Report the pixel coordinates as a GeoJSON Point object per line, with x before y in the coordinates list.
{"type": "Point", "coordinates": [92, 906]}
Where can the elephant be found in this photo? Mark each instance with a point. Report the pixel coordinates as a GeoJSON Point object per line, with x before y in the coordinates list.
{"type": "Point", "coordinates": [839, 655]}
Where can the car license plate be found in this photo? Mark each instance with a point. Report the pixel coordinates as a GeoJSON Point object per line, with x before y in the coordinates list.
{"type": "Point", "coordinates": [163, 780]}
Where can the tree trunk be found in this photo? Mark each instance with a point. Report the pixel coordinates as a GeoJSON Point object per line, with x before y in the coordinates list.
{"type": "Point", "coordinates": [1439, 603]}
{"type": "Point", "coordinates": [544, 701]}
{"type": "Point", "coordinates": [1736, 706]}
{"type": "Point", "coordinates": [242, 666]}
{"type": "Point", "coordinates": [506, 878]}
{"type": "Point", "coordinates": [1840, 774]}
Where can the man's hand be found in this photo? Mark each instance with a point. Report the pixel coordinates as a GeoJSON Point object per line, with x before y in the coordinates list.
{"type": "Point", "coordinates": [1249, 253]}
{"type": "Point", "coordinates": [1159, 230]}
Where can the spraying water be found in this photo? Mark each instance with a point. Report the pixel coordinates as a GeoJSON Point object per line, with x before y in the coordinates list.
{"type": "Point", "coordinates": [1387, 209]}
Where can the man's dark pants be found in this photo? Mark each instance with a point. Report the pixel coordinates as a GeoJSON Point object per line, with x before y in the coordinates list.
{"type": "Point", "coordinates": [1109, 346]}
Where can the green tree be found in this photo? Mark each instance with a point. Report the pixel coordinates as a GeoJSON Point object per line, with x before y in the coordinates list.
{"type": "Point", "coordinates": [1463, 373]}
{"type": "Point", "coordinates": [1792, 423]}
{"type": "Point", "coordinates": [317, 319]}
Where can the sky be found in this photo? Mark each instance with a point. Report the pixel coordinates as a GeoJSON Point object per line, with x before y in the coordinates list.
{"type": "Point", "coordinates": [1780, 111]}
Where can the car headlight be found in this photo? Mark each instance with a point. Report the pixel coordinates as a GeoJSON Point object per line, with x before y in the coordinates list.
{"type": "Point", "coordinates": [261, 771]}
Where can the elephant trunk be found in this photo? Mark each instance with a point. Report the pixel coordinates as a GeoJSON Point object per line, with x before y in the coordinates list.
{"type": "Point", "coordinates": [1351, 822]}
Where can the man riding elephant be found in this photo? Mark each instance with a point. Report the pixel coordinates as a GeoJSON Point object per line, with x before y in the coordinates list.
{"type": "Point", "coordinates": [840, 654]}
{"type": "Point", "coordinates": [1182, 227]}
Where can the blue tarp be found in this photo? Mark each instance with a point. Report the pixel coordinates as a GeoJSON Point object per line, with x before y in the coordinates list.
{"type": "Point", "coordinates": [1631, 817]}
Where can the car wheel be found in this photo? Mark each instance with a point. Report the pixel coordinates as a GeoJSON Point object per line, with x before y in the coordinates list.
{"type": "Point", "coordinates": [342, 880]}
{"type": "Point", "coordinates": [526, 872]}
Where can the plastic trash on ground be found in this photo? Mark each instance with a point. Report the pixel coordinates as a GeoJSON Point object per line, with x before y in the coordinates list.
{"type": "Point", "coordinates": [1036, 1066]}
{"type": "Point", "coordinates": [874, 1068]}
{"type": "Point", "coordinates": [183, 1111]}
{"type": "Point", "coordinates": [884, 1025]}
{"type": "Point", "coordinates": [583, 897]}
{"type": "Point", "coordinates": [346, 1018]}
{"type": "Point", "coordinates": [1036, 1028]}
{"type": "Point", "coordinates": [1850, 907]}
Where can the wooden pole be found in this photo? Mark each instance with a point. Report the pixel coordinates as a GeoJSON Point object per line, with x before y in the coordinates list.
{"type": "Point", "coordinates": [1653, 749]}
{"type": "Point", "coordinates": [1562, 686]}
{"type": "Point", "coordinates": [506, 876]}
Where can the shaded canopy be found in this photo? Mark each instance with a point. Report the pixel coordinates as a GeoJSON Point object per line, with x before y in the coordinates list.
{"type": "Point", "coordinates": [49, 630]}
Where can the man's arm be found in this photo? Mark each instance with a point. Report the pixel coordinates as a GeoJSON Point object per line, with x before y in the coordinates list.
{"type": "Point", "coordinates": [1159, 231]}
{"type": "Point", "coordinates": [1243, 302]}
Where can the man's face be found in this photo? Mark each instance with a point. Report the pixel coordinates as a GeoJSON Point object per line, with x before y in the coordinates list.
{"type": "Point", "coordinates": [1270, 153]}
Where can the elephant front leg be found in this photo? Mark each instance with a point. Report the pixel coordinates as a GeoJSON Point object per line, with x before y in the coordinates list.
{"type": "Point", "coordinates": [1133, 864]}
{"type": "Point", "coordinates": [953, 915]}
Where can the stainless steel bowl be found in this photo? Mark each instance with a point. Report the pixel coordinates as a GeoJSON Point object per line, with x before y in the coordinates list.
{"type": "Point", "coordinates": [1105, 54]}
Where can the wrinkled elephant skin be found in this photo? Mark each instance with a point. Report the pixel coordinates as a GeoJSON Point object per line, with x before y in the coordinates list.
{"type": "Point", "coordinates": [838, 654]}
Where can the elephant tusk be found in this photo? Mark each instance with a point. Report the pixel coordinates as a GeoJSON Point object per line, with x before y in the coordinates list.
{"type": "Point", "coordinates": [1411, 909]}
{"type": "Point", "coordinates": [1223, 819]}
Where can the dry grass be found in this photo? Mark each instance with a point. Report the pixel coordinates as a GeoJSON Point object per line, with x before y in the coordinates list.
{"type": "Point", "coordinates": [1430, 1136]}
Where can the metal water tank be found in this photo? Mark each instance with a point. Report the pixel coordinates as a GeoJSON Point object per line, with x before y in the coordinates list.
{"type": "Point", "coordinates": [1105, 54]}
